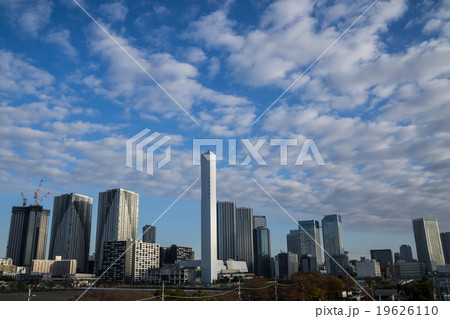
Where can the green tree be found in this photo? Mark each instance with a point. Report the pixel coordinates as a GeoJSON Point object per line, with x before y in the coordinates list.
{"type": "Point", "coordinates": [421, 290]}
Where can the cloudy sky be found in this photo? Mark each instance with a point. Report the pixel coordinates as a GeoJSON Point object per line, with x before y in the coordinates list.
{"type": "Point", "coordinates": [376, 104]}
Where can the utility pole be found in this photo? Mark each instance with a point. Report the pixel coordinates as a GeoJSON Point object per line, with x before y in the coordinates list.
{"type": "Point", "coordinates": [239, 291]}
{"type": "Point", "coordinates": [276, 291]}
{"type": "Point", "coordinates": [163, 292]}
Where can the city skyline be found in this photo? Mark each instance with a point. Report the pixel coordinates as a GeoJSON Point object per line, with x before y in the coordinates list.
{"type": "Point", "coordinates": [119, 214]}
{"type": "Point", "coordinates": [375, 104]}
{"type": "Point", "coordinates": [354, 255]}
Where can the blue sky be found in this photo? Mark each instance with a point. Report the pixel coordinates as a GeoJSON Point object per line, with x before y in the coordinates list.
{"type": "Point", "coordinates": [376, 105]}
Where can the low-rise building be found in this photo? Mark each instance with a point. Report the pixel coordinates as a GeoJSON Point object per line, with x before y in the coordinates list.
{"type": "Point", "coordinates": [173, 274]}
{"type": "Point", "coordinates": [56, 268]}
{"type": "Point", "coordinates": [409, 270]}
{"type": "Point", "coordinates": [8, 268]}
{"type": "Point", "coordinates": [169, 255]}
{"type": "Point", "coordinates": [367, 268]}
{"type": "Point", "coordinates": [6, 261]}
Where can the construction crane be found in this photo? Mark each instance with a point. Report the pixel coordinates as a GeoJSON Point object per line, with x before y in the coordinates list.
{"type": "Point", "coordinates": [24, 200]}
{"type": "Point", "coordinates": [40, 201]}
{"type": "Point", "coordinates": [37, 201]}
{"type": "Point", "coordinates": [36, 193]}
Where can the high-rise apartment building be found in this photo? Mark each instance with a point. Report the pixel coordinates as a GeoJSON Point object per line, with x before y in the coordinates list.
{"type": "Point", "coordinates": [445, 240]}
{"type": "Point", "coordinates": [209, 265]}
{"type": "Point", "coordinates": [261, 244]}
{"type": "Point", "coordinates": [118, 211]}
{"type": "Point", "coordinates": [27, 234]}
{"type": "Point", "coordinates": [117, 261]}
{"type": "Point", "coordinates": [145, 257]}
{"type": "Point", "coordinates": [333, 242]}
{"type": "Point", "coordinates": [226, 230]}
{"type": "Point", "coordinates": [259, 221]}
{"type": "Point", "coordinates": [406, 253]}
{"type": "Point", "coordinates": [70, 235]}
{"type": "Point", "coordinates": [244, 236]}
{"type": "Point", "coordinates": [309, 231]}
{"type": "Point", "coordinates": [149, 234]}
{"type": "Point", "coordinates": [428, 243]}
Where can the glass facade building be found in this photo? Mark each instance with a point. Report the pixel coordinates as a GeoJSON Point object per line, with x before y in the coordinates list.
{"type": "Point", "coordinates": [117, 219]}
{"type": "Point", "coordinates": [261, 243]}
{"type": "Point", "coordinates": [428, 243]}
{"type": "Point", "coordinates": [309, 231]}
{"type": "Point", "coordinates": [226, 230]}
{"type": "Point", "coordinates": [70, 235]}
{"type": "Point", "coordinates": [244, 236]}
{"type": "Point", "coordinates": [333, 242]}
{"type": "Point", "coordinates": [27, 234]}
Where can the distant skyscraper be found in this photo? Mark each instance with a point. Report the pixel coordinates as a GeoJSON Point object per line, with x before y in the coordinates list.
{"type": "Point", "coordinates": [445, 241]}
{"type": "Point", "coordinates": [286, 265]}
{"type": "Point", "coordinates": [384, 257]}
{"type": "Point", "coordinates": [340, 265]}
{"type": "Point", "coordinates": [209, 265]}
{"type": "Point", "coordinates": [27, 234]}
{"type": "Point", "coordinates": [428, 243]}
{"type": "Point", "coordinates": [308, 263]}
{"type": "Point", "coordinates": [118, 211]}
{"type": "Point", "coordinates": [149, 234]}
{"type": "Point", "coordinates": [71, 229]}
{"type": "Point", "coordinates": [293, 243]}
{"type": "Point", "coordinates": [259, 221]}
{"type": "Point", "coordinates": [406, 253]}
{"type": "Point", "coordinates": [244, 236]}
{"type": "Point", "coordinates": [310, 244]}
{"type": "Point", "coordinates": [333, 242]}
{"type": "Point", "coordinates": [396, 257]}
{"type": "Point", "coordinates": [226, 230]}
{"type": "Point", "coordinates": [261, 244]}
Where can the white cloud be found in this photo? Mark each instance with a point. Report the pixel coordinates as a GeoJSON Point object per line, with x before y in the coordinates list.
{"type": "Point", "coordinates": [160, 9]}
{"type": "Point", "coordinates": [114, 12]}
{"type": "Point", "coordinates": [195, 55]}
{"type": "Point", "coordinates": [31, 17]}
{"type": "Point", "coordinates": [125, 79]}
{"type": "Point", "coordinates": [17, 76]}
{"type": "Point", "coordinates": [62, 39]}
{"type": "Point", "coordinates": [290, 37]}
